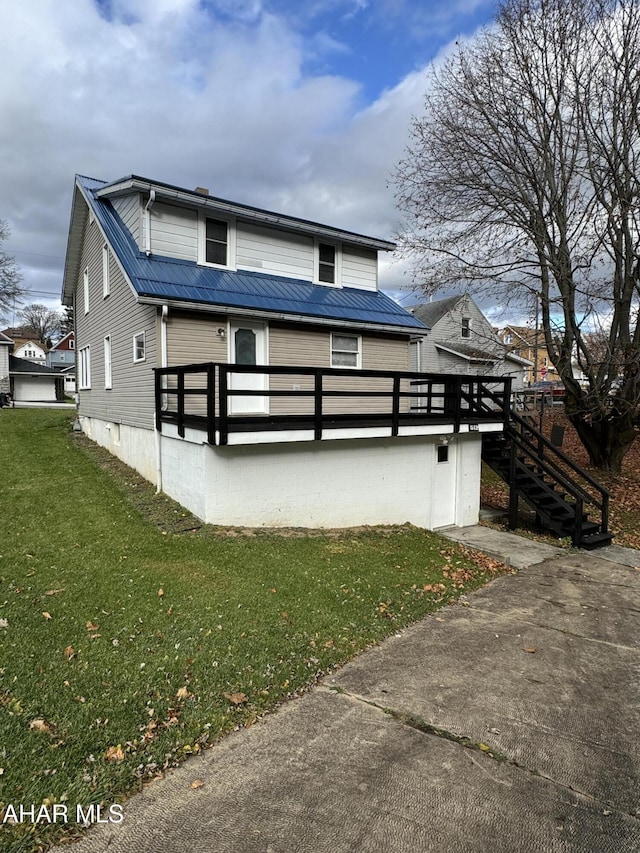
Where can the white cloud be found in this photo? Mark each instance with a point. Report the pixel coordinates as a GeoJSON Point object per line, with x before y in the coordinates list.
{"type": "Point", "coordinates": [169, 90]}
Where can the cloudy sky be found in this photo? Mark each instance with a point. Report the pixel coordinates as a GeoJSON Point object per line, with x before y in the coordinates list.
{"type": "Point", "coordinates": [298, 106]}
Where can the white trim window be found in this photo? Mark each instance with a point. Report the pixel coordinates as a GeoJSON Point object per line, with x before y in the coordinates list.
{"type": "Point", "coordinates": [106, 284]}
{"type": "Point", "coordinates": [84, 368]}
{"type": "Point", "coordinates": [466, 327]}
{"type": "Point", "coordinates": [328, 263]}
{"type": "Point", "coordinates": [139, 347]}
{"type": "Point", "coordinates": [217, 241]}
{"type": "Point", "coordinates": [346, 350]}
{"type": "Point", "coordinates": [108, 377]}
{"type": "Point", "coordinates": [85, 289]}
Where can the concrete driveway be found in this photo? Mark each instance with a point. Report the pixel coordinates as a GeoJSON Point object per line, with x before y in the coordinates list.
{"type": "Point", "coordinates": [509, 722]}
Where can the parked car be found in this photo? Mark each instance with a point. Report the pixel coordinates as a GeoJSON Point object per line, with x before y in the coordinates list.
{"type": "Point", "coordinates": [552, 387]}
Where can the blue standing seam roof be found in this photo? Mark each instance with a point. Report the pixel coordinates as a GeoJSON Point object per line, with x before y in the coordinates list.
{"type": "Point", "coordinates": [175, 279]}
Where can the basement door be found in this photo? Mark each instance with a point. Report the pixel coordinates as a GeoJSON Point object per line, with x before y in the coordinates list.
{"type": "Point", "coordinates": [444, 485]}
{"type": "Point", "coordinates": [248, 345]}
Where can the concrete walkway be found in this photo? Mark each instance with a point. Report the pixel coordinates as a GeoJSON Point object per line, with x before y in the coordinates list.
{"type": "Point", "coordinates": [509, 723]}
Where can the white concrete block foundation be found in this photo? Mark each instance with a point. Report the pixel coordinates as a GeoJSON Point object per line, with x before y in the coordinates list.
{"type": "Point", "coordinates": [338, 483]}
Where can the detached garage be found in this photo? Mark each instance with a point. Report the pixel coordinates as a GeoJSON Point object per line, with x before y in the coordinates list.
{"type": "Point", "coordinates": [30, 382]}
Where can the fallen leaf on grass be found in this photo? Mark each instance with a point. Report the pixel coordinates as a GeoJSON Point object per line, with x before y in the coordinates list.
{"type": "Point", "coordinates": [183, 693]}
{"type": "Point", "coordinates": [46, 614]}
{"type": "Point", "coordinates": [114, 754]}
{"type": "Point", "coordinates": [235, 698]}
{"type": "Point", "coordinates": [160, 593]}
{"type": "Point", "coordinates": [69, 652]}
{"type": "Point", "coordinates": [91, 626]}
{"type": "Point", "coordinates": [197, 783]}
{"type": "Point", "coordinates": [40, 725]}
{"type": "Point", "coordinates": [53, 591]}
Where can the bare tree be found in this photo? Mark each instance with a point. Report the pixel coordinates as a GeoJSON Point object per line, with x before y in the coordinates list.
{"type": "Point", "coordinates": [523, 178]}
{"type": "Point", "coordinates": [44, 322]}
{"type": "Point", "coordinates": [11, 290]}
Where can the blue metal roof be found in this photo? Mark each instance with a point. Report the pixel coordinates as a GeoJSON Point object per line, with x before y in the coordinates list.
{"type": "Point", "coordinates": [172, 279]}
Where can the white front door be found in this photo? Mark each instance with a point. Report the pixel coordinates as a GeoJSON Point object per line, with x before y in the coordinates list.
{"type": "Point", "coordinates": [248, 345]}
{"type": "Point", "coordinates": [443, 497]}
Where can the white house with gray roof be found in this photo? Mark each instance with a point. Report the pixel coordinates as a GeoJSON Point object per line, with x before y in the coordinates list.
{"type": "Point", "coordinates": [461, 340]}
{"type": "Point", "coordinates": [248, 364]}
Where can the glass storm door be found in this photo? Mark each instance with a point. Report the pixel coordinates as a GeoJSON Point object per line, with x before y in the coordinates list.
{"type": "Point", "coordinates": [248, 345]}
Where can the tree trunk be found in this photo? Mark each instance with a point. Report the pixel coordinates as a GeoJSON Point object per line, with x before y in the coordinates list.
{"type": "Point", "coordinates": [607, 440]}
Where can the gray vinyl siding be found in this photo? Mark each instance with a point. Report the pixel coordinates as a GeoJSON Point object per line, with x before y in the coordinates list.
{"type": "Point", "coordinates": [174, 232]}
{"type": "Point", "coordinates": [312, 348]}
{"type": "Point", "coordinates": [194, 339]}
{"type": "Point", "coordinates": [274, 252]}
{"type": "Point", "coordinates": [359, 268]}
{"type": "Point", "coordinates": [129, 209]}
{"type": "Point", "coordinates": [131, 398]}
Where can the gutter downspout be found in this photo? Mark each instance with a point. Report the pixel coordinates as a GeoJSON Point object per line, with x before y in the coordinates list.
{"type": "Point", "coordinates": [163, 363]}
{"type": "Point", "coordinates": [147, 222]}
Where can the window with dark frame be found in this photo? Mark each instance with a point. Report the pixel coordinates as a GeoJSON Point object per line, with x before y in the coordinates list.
{"type": "Point", "coordinates": [216, 241]}
{"type": "Point", "coordinates": [327, 263]}
{"type": "Point", "coordinates": [443, 453]}
{"type": "Point", "coordinates": [466, 327]}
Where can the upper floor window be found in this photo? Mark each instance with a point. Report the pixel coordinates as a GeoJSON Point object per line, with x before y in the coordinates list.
{"type": "Point", "coordinates": [326, 263]}
{"type": "Point", "coordinates": [346, 350]}
{"type": "Point", "coordinates": [106, 286]}
{"type": "Point", "coordinates": [85, 289]}
{"type": "Point", "coordinates": [466, 327]}
{"type": "Point", "coordinates": [72, 343]}
{"type": "Point", "coordinates": [216, 242]}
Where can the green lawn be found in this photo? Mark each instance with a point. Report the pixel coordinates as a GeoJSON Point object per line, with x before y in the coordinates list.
{"type": "Point", "coordinates": [126, 646]}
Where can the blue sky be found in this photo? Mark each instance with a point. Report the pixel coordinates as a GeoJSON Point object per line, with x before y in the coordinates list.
{"type": "Point", "coordinates": [299, 107]}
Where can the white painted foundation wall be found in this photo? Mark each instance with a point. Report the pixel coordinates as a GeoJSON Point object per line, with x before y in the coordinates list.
{"type": "Point", "coordinates": [326, 484]}
{"type": "Point", "coordinates": [332, 483]}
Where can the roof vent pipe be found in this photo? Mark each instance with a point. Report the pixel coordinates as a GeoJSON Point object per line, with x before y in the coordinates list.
{"type": "Point", "coordinates": [147, 222]}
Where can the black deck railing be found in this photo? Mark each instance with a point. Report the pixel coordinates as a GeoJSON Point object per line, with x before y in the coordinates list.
{"type": "Point", "coordinates": [202, 396]}
{"type": "Point", "coordinates": [532, 447]}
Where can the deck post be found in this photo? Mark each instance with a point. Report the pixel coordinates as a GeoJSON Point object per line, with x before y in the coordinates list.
{"type": "Point", "coordinates": [317, 405]}
{"type": "Point", "coordinates": [181, 403]}
{"type": "Point", "coordinates": [211, 403]}
{"type": "Point", "coordinates": [158, 392]}
{"type": "Point", "coordinates": [395, 407]}
{"type": "Point", "coordinates": [224, 403]}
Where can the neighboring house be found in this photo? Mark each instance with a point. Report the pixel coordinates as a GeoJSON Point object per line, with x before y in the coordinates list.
{"type": "Point", "coordinates": [63, 353]}
{"type": "Point", "coordinates": [31, 351]}
{"type": "Point", "coordinates": [26, 344]}
{"type": "Point", "coordinates": [62, 357]}
{"type": "Point", "coordinates": [461, 340]}
{"type": "Point", "coordinates": [6, 345]}
{"type": "Point", "coordinates": [30, 382]}
{"type": "Point", "coordinates": [529, 344]}
{"type": "Point", "coordinates": [247, 363]}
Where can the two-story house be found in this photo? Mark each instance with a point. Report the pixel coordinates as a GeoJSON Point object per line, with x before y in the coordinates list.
{"type": "Point", "coordinates": [247, 363]}
{"type": "Point", "coordinates": [531, 345]}
{"type": "Point", "coordinates": [462, 340]}
{"type": "Point", "coordinates": [62, 357]}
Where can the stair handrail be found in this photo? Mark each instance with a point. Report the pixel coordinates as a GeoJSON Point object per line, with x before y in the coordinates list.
{"type": "Point", "coordinates": [603, 504]}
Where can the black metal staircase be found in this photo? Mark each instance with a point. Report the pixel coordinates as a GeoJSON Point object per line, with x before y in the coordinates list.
{"type": "Point", "coordinates": [558, 490]}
